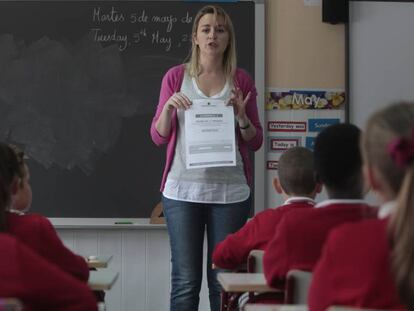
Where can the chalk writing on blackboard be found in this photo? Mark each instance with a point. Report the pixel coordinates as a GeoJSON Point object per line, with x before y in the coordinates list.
{"type": "Point", "coordinates": [153, 29]}
{"type": "Point", "coordinates": [81, 105]}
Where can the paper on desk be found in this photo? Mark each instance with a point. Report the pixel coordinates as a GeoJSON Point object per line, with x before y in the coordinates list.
{"type": "Point", "coordinates": [209, 134]}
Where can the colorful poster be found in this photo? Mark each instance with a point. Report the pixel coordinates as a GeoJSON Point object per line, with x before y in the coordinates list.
{"type": "Point", "coordinates": [294, 117]}
{"type": "Point", "coordinates": [285, 99]}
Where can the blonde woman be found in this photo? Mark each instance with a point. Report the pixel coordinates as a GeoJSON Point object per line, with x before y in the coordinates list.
{"type": "Point", "coordinates": [215, 200]}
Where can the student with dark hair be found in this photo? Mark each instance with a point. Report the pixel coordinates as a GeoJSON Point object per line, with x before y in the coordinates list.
{"type": "Point", "coordinates": [298, 239]}
{"type": "Point", "coordinates": [24, 274]}
{"type": "Point", "coordinates": [338, 162]}
{"type": "Point", "coordinates": [34, 230]}
{"type": "Point", "coordinates": [371, 264]}
{"type": "Point", "coordinates": [298, 187]}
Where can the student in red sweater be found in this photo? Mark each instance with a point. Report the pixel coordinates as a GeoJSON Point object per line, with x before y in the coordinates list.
{"type": "Point", "coordinates": [34, 230]}
{"type": "Point", "coordinates": [371, 264]}
{"type": "Point", "coordinates": [27, 276]}
{"type": "Point", "coordinates": [298, 239]}
{"type": "Point", "coordinates": [298, 187]}
{"type": "Point", "coordinates": [38, 284]}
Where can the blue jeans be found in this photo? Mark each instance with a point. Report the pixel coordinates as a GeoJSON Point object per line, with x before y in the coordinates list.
{"type": "Point", "coordinates": [186, 223]}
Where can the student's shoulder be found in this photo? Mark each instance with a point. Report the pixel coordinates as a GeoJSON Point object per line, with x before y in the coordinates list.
{"type": "Point", "coordinates": [368, 231]}
{"type": "Point", "coordinates": [296, 220]}
{"type": "Point", "coordinates": [34, 219]}
{"type": "Point", "coordinates": [7, 241]}
{"type": "Point", "coordinates": [279, 210]}
{"type": "Point", "coordinates": [8, 245]}
{"type": "Point", "coordinates": [299, 214]}
{"type": "Point", "coordinates": [267, 214]}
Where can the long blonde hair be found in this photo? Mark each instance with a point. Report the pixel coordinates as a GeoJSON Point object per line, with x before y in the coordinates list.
{"type": "Point", "coordinates": [229, 58]}
{"type": "Point", "coordinates": [384, 128]}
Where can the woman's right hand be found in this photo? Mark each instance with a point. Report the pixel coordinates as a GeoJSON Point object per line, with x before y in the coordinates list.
{"type": "Point", "coordinates": [177, 101]}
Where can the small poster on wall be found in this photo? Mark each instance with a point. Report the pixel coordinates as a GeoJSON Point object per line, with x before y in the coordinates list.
{"type": "Point", "coordinates": [286, 99]}
{"type": "Point", "coordinates": [294, 117]}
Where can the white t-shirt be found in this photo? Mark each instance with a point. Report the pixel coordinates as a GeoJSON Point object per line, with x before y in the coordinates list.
{"type": "Point", "coordinates": [204, 185]}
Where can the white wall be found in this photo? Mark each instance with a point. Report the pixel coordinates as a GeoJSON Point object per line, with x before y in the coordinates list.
{"type": "Point", "coordinates": [381, 41]}
{"type": "Point", "coordinates": [142, 257]}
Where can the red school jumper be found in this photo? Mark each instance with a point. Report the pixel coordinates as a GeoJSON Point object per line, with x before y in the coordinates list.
{"type": "Point", "coordinates": [354, 269]}
{"type": "Point", "coordinates": [39, 284]}
{"type": "Point", "coordinates": [298, 240]}
{"type": "Point", "coordinates": [37, 233]}
{"type": "Point", "coordinates": [255, 234]}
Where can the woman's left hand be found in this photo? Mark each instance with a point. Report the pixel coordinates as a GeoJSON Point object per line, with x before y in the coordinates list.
{"type": "Point", "coordinates": [238, 103]}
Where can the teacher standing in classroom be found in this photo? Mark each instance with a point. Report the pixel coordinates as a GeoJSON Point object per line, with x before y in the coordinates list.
{"type": "Point", "coordinates": [215, 199]}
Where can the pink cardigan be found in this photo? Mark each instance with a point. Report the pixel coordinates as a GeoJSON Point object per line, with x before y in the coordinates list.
{"type": "Point", "coordinates": [171, 83]}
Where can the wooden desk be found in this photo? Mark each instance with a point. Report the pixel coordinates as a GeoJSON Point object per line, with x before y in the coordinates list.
{"type": "Point", "coordinates": [102, 279]}
{"type": "Point", "coordinates": [98, 261]}
{"type": "Point", "coordinates": [244, 282]}
{"type": "Point", "coordinates": [264, 307]}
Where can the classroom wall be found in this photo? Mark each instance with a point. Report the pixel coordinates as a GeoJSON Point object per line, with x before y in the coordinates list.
{"type": "Point", "coordinates": [141, 255]}
{"type": "Point", "coordinates": [302, 52]}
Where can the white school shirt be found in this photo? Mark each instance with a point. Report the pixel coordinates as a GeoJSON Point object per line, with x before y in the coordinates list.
{"type": "Point", "coordinates": [204, 185]}
{"type": "Point", "coordinates": [386, 209]}
{"type": "Point", "coordinates": [299, 199]}
{"type": "Point", "coordinates": [339, 201]}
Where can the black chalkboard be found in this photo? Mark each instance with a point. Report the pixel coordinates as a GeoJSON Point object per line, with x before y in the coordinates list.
{"type": "Point", "coordinates": [79, 84]}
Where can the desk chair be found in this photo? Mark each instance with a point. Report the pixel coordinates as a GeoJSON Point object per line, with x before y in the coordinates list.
{"type": "Point", "coordinates": [100, 281]}
{"type": "Point", "coordinates": [230, 301]}
{"type": "Point", "coordinates": [255, 261]}
{"type": "Point", "coordinates": [255, 265]}
{"type": "Point", "coordinates": [237, 283]}
{"type": "Point", "coordinates": [10, 304]}
{"type": "Point", "coordinates": [260, 291]}
{"type": "Point", "coordinates": [297, 286]}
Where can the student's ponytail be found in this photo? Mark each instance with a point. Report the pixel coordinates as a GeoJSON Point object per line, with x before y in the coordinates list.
{"type": "Point", "coordinates": [402, 222]}
{"type": "Point", "coordinates": [388, 146]}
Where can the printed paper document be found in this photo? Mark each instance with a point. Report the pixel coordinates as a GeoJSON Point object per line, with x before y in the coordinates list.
{"type": "Point", "coordinates": [209, 134]}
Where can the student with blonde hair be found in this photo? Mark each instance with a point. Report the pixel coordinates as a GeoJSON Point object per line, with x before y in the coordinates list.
{"type": "Point", "coordinates": [371, 264]}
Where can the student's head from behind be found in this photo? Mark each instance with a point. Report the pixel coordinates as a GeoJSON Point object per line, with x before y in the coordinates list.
{"type": "Point", "coordinates": [384, 127]}
{"type": "Point", "coordinates": [202, 35]}
{"type": "Point", "coordinates": [296, 173]}
{"type": "Point", "coordinates": [338, 161]}
{"type": "Point", "coordinates": [388, 150]}
{"type": "Point", "coordinates": [10, 171]}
